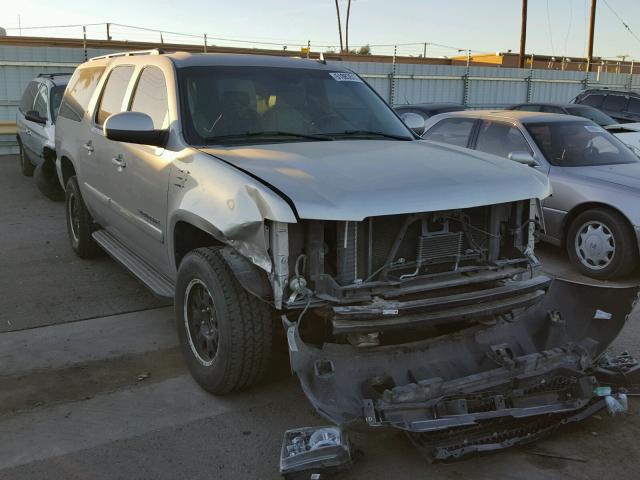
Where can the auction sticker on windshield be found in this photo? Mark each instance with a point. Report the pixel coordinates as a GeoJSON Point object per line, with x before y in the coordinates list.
{"type": "Point", "coordinates": [345, 77]}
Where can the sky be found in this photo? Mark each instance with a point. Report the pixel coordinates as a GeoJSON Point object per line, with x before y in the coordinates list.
{"type": "Point", "coordinates": [555, 27]}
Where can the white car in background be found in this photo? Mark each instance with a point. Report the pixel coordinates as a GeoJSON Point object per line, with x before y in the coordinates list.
{"type": "Point", "coordinates": [628, 133]}
{"type": "Point", "coordinates": [35, 122]}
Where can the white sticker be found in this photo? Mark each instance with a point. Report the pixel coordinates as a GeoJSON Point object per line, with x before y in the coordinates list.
{"type": "Point", "coordinates": [345, 77]}
{"type": "Point", "coordinates": [601, 315]}
{"type": "Point", "coordinates": [594, 128]}
{"type": "Point", "coordinates": [389, 311]}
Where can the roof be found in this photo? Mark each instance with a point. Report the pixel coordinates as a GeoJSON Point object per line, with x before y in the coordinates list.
{"type": "Point", "coordinates": [515, 116]}
{"type": "Point", "coordinates": [182, 59]}
{"type": "Point", "coordinates": [556, 104]}
{"type": "Point", "coordinates": [186, 59]}
{"type": "Point", "coordinates": [610, 90]}
{"type": "Point", "coordinates": [431, 106]}
{"type": "Point", "coordinates": [55, 78]}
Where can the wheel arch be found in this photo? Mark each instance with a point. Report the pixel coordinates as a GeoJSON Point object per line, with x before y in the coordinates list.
{"type": "Point", "coordinates": [67, 169]}
{"type": "Point", "coordinates": [188, 235]}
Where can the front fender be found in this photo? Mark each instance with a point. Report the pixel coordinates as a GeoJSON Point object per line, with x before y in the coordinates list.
{"type": "Point", "coordinates": [226, 203]}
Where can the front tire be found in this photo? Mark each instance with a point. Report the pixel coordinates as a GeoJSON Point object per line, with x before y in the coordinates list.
{"type": "Point", "coordinates": [80, 225]}
{"type": "Point", "coordinates": [602, 245]}
{"type": "Point", "coordinates": [225, 332]}
{"type": "Point", "coordinates": [26, 166]}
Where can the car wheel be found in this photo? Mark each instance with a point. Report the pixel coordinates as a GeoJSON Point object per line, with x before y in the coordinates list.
{"type": "Point", "coordinates": [601, 244]}
{"type": "Point", "coordinates": [25, 164]}
{"type": "Point", "coordinates": [47, 181]}
{"type": "Point", "coordinates": [225, 332]}
{"type": "Point", "coordinates": [80, 225]}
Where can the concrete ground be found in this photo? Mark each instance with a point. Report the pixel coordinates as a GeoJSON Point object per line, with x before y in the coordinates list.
{"type": "Point", "coordinates": [92, 384]}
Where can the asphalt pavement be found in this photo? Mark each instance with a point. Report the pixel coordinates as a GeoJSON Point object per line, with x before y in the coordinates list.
{"type": "Point", "coordinates": [92, 384]}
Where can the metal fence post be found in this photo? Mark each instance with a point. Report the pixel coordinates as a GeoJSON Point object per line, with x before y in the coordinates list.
{"type": "Point", "coordinates": [84, 42]}
{"type": "Point", "coordinates": [466, 81]}
{"type": "Point", "coordinates": [392, 78]}
{"type": "Point", "coordinates": [530, 82]}
{"type": "Point", "coordinates": [585, 80]}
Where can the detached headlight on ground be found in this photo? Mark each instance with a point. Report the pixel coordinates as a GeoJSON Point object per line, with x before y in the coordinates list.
{"type": "Point", "coordinates": [313, 452]}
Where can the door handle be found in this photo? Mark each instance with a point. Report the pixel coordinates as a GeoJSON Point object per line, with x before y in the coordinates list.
{"type": "Point", "coordinates": [119, 162]}
{"type": "Point", "coordinates": [88, 147]}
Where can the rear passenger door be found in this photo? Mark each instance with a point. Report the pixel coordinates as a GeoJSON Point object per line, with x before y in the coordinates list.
{"type": "Point", "coordinates": [74, 134]}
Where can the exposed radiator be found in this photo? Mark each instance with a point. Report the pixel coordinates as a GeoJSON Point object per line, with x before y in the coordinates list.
{"type": "Point", "coordinates": [439, 247]}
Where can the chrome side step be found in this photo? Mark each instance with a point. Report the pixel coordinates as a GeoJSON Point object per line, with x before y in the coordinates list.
{"type": "Point", "coordinates": [154, 281]}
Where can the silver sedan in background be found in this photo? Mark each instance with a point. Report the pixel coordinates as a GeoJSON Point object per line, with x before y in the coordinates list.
{"type": "Point", "coordinates": [594, 211]}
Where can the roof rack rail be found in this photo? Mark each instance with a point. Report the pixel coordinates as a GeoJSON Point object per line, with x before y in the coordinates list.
{"type": "Point", "coordinates": [53, 74]}
{"type": "Point", "coordinates": [153, 51]}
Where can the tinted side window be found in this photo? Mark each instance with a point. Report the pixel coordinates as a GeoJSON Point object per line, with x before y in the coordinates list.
{"type": "Point", "coordinates": [454, 131]}
{"type": "Point", "coordinates": [617, 103]}
{"type": "Point", "coordinates": [40, 102]}
{"type": "Point", "coordinates": [113, 93]}
{"type": "Point", "coordinates": [78, 93]}
{"type": "Point", "coordinates": [634, 106]}
{"type": "Point", "coordinates": [528, 108]}
{"type": "Point", "coordinates": [550, 109]}
{"type": "Point", "coordinates": [150, 97]}
{"type": "Point", "coordinates": [592, 100]}
{"type": "Point", "coordinates": [500, 139]}
{"type": "Point", "coordinates": [26, 102]}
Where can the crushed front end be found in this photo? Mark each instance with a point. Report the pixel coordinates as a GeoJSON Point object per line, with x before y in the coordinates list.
{"type": "Point", "coordinates": [435, 323]}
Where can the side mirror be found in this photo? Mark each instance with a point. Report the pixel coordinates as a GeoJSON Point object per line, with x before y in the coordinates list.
{"type": "Point", "coordinates": [523, 157]}
{"type": "Point", "coordinates": [134, 127]}
{"type": "Point", "coordinates": [34, 116]}
{"type": "Point", "coordinates": [414, 121]}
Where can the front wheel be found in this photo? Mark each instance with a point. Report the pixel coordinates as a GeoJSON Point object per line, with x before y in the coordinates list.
{"type": "Point", "coordinates": [602, 245]}
{"type": "Point", "coordinates": [225, 332]}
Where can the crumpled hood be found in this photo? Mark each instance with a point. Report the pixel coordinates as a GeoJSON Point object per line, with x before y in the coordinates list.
{"type": "Point", "coordinates": [626, 175]}
{"type": "Point", "coordinates": [355, 179]}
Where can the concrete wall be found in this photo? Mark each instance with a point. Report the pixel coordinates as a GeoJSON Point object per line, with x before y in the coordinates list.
{"type": "Point", "coordinates": [475, 87]}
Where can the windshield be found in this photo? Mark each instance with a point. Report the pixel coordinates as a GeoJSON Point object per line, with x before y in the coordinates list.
{"type": "Point", "coordinates": [592, 114]}
{"type": "Point", "coordinates": [577, 144]}
{"type": "Point", "coordinates": [56, 97]}
{"type": "Point", "coordinates": [264, 104]}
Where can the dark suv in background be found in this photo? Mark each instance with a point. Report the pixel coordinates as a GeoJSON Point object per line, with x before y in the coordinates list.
{"type": "Point", "coordinates": [621, 105]}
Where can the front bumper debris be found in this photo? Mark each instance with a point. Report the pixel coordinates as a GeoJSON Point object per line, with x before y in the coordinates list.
{"type": "Point", "coordinates": [481, 388]}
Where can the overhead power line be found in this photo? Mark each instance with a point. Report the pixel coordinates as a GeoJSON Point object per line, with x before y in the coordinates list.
{"type": "Point", "coordinates": [625, 24]}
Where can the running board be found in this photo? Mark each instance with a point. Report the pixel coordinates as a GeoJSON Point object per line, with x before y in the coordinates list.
{"type": "Point", "coordinates": [158, 284]}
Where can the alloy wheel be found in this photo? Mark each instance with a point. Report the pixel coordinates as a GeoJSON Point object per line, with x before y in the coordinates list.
{"type": "Point", "coordinates": [200, 322]}
{"type": "Point", "coordinates": [595, 245]}
{"type": "Point", "coordinates": [74, 216]}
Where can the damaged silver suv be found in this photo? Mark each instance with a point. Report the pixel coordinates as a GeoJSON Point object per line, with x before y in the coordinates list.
{"type": "Point", "coordinates": [266, 193]}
